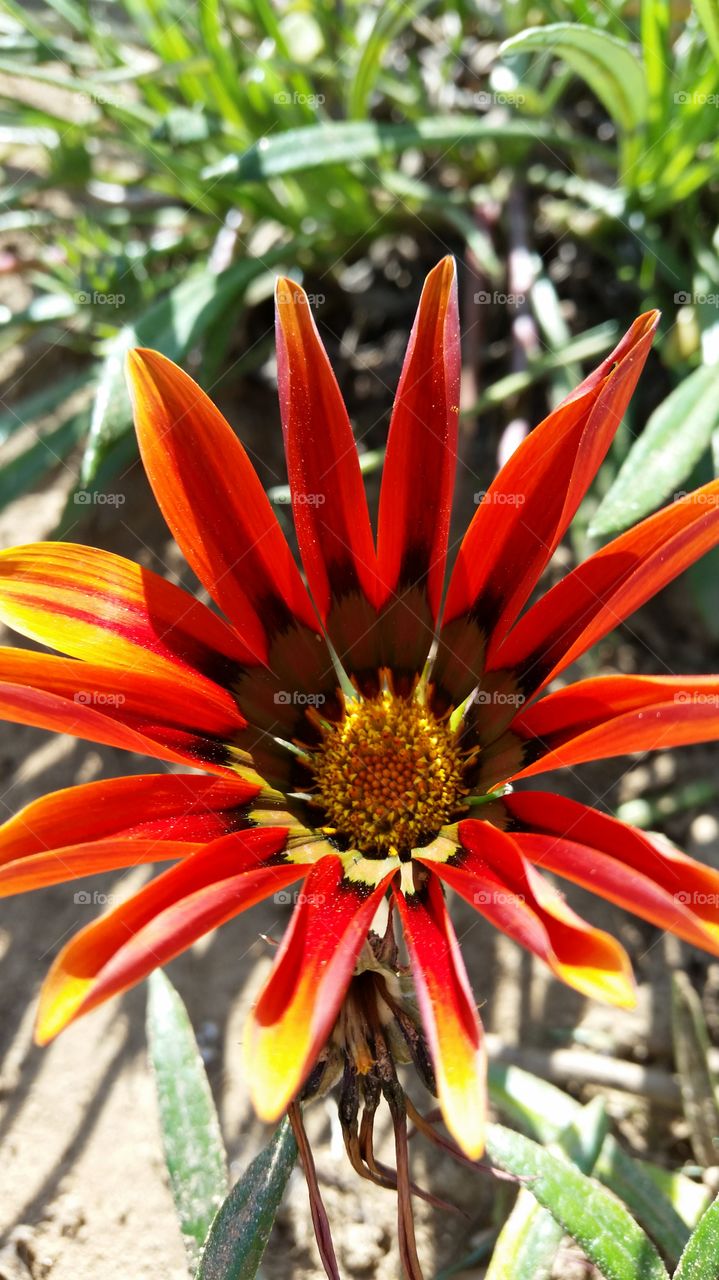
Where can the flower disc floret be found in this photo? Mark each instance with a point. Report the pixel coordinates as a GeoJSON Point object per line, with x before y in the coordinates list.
{"type": "Point", "coordinates": [388, 776]}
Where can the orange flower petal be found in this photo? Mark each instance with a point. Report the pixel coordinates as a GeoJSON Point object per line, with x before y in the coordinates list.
{"type": "Point", "coordinates": [617, 862]}
{"type": "Point", "coordinates": [600, 593]}
{"type": "Point", "coordinates": [614, 715]}
{"type": "Point", "coordinates": [299, 1003]}
{"type": "Point", "coordinates": [148, 713]}
{"type": "Point", "coordinates": [418, 476]}
{"type": "Point", "coordinates": [98, 606]}
{"type": "Point", "coordinates": [121, 822]}
{"type": "Point", "coordinates": [214, 504]}
{"type": "Point", "coordinates": [163, 919]}
{"type": "Point", "coordinates": [449, 1014]}
{"type": "Point", "coordinates": [328, 495]}
{"type": "Point", "coordinates": [526, 510]}
{"type": "Point", "coordinates": [493, 876]}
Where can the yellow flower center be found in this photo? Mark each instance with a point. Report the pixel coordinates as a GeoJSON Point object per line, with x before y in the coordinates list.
{"type": "Point", "coordinates": [388, 776]}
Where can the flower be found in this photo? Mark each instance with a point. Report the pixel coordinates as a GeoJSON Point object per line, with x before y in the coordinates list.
{"type": "Point", "coordinates": [357, 738]}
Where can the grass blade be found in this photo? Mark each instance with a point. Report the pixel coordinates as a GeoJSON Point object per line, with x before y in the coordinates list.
{"type": "Point", "coordinates": [608, 65]}
{"type": "Point", "coordinates": [346, 142]}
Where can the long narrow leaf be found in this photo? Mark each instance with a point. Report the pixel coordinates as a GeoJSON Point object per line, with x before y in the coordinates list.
{"type": "Point", "coordinates": [608, 65]}
{"type": "Point", "coordinates": [691, 1050]}
{"type": "Point", "coordinates": [709, 18]}
{"type": "Point", "coordinates": [242, 1227]}
{"type": "Point", "coordinates": [194, 1150]}
{"type": "Point", "coordinates": [531, 1236]}
{"type": "Point", "coordinates": [699, 1259]}
{"type": "Point", "coordinates": [596, 1219]}
{"type": "Point", "coordinates": [543, 1110]}
{"type": "Point", "coordinates": [659, 462]}
{"type": "Point", "coordinates": [346, 142]}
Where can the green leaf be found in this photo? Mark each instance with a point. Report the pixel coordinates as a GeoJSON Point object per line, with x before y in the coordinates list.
{"type": "Point", "coordinates": [39, 403]}
{"type": "Point", "coordinates": [635, 1184]}
{"type": "Point", "coordinates": [172, 326]}
{"type": "Point", "coordinates": [690, 1199]}
{"type": "Point", "coordinates": [540, 1107]}
{"type": "Point", "coordinates": [528, 1242]}
{"type": "Point", "coordinates": [599, 1222]}
{"type": "Point", "coordinates": [699, 1259]}
{"type": "Point", "coordinates": [608, 65]}
{"type": "Point", "coordinates": [346, 142]}
{"type": "Point", "coordinates": [586, 345]}
{"type": "Point", "coordinates": [193, 1144]}
{"type": "Point", "coordinates": [709, 17]}
{"type": "Point", "coordinates": [242, 1227]}
{"type": "Point", "coordinates": [391, 18]}
{"type": "Point", "coordinates": [47, 450]}
{"type": "Point", "coordinates": [691, 1051]}
{"type": "Point", "coordinates": [530, 1237]}
{"type": "Point", "coordinates": [656, 53]}
{"type": "Point", "coordinates": [672, 442]}
{"type": "Point", "coordinates": [544, 1110]}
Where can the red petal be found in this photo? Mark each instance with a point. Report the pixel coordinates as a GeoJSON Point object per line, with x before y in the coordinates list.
{"type": "Point", "coordinates": [95, 605]}
{"type": "Point", "coordinates": [418, 478]}
{"type": "Point", "coordinates": [600, 593]}
{"type": "Point", "coordinates": [328, 496]}
{"type": "Point", "coordinates": [214, 503]}
{"type": "Point", "coordinates": [652, 880]}
{"type": "Point", "coordinates": [48, 711]}
{"type": "Point", "coordinates": [163, 919]}
{"type": "Point", "coordinates": [152, 714]}
{"type": "Point", "coordinates": [449, 1014]}
{"type": "Point", "coordinates": [494, 877]}
{"type": "Point", "coordinates": [116, 823]}
{"type": "Point", "coordinates": [299, 1003]}
{"type": "Point", "coordinates": [70, 862]}
{"type": "Point", "coordinates": [527, 509]}
{"type": "Point", "coordinates": [615, 715]}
